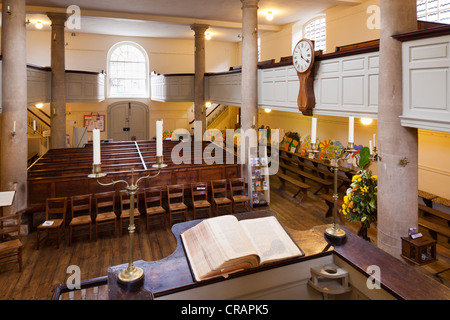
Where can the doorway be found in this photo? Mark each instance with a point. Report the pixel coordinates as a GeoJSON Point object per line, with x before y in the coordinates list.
{"type": "Point", "coordinates": [128, 120]}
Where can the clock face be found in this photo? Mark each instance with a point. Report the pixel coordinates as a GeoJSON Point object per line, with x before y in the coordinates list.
{"type": "Point", "coordinates": [303, 56]}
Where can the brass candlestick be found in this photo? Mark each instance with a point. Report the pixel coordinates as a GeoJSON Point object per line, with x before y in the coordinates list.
{"type": "Point", "coordinates": [132, 275]}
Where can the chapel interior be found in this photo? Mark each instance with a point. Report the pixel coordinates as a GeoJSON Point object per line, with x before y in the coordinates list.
{"type": "Point", "coordinates": [147, 81]}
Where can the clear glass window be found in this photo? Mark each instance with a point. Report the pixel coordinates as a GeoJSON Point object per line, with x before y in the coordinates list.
{"type": "Point", "coordinates": [128, 71]}
{"type": "Point", "coordinates": [316, 30]}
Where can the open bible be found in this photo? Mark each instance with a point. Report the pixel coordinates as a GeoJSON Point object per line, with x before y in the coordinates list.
{"type": "Point", "coordinates": [223, 245]}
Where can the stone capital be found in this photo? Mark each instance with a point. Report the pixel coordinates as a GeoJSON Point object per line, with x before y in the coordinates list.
{"type": "Point", "coordinates": [199, 28]}
{"type": "Point", "coordinates": [249, 4]}
{"type": "Point", "coordinates": [57, 18]}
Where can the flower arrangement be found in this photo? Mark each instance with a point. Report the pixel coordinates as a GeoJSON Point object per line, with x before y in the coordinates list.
{"type": "Point", "coordinates": [360, 203]}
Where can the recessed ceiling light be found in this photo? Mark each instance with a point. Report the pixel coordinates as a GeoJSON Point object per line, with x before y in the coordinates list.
{"type": "Point", "coordinates": [39, 25]}
{"type": "Point", "coordinates": [269, 15]}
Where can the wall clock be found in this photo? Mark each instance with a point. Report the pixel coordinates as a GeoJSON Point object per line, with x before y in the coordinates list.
{"type": "Point", "coordinates": [303, 61]}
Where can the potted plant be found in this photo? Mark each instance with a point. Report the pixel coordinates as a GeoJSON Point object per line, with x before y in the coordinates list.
{"type": "Point", "coordinates": [360, 202]}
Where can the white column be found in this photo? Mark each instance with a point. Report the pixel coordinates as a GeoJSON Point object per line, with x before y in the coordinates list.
{"type": "Point", "coordinates": [58, 103]}
{"type": "Point", "coordinates": [397, 185]}
{"type": "Point", "coordinates": [14, 151]}
{"type": "Point", "coordinates": [199, 86]}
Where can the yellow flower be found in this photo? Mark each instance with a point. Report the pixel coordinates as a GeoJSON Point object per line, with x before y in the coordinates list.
{"type": "Point", "coordinates": [356, 177]}
{"type": "Point", "coordinates": [374, 178]}
{"type": "Point", "coordinates": [346, 199]}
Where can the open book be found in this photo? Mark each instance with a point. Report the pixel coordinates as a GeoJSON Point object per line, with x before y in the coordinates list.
{"type": "Point", "coordinates": [223, 245]}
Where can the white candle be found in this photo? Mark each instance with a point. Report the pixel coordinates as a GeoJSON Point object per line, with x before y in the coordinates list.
{"type": "Point", "coordinates": [374, 135]}
{"type": "Point", "coordinates": [253, 120]}
{"type": "Point", "coordinates": [34, 125]}
{"type": "Point", "coordinates": [159, 133]}
{"type": "Point", "coordinates": [14, 126]}
{"type": "Point", "coordinates": [313, 130]}
{"type": "Point", "coordinates": [237, 118]}
{"type": "Point", "coordinates": [370, 146]}
{"type": "Point", "coordinates": [96, 142]}
{"type": "Point", "coordinates": [351, 124]}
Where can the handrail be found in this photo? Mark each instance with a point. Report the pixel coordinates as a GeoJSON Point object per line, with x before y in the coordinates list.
{"type": "Point", "coordinates": [39, 117]}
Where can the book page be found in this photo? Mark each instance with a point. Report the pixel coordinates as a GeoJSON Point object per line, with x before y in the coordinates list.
{"type": "Point", "coordinates": [270, 239]}
{"type": "Point", "coordinates": [234, 242]}
{"type": "Point", "coordinates": [213, 242]}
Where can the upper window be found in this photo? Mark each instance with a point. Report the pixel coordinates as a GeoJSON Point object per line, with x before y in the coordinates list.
{"type": "Point", "coordinates": [316, 30]}
{"type": "Point", "coordinates": [127, 71]}
{"type": "Point", "coordinates": [433, 10]}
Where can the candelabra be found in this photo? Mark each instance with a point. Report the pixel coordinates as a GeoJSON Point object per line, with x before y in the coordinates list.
{"type": "Point", "coordinates": [334, 234]}
{"type": "Point", "coordinates": [132, 275]}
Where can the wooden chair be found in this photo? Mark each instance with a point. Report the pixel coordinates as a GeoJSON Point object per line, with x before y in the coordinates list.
{"type": "Point", "coordinates": [54, 207]}
{"type": "Point", "coordinates": [125, 209]}
{"type": "Point", "coordinates": [237, 190]}
{"type": "Point", "coordinates": [200, 189]}
{"type": "Point", "coordinates": [81, 207]}
{"type": "Point", "coordinates": [175, 198]}
{"type": "Point", "coordinates": [220, 195]}
{"type": "Point", "coordinates": [153, 205]}
{"type": "Point", "coordinates": [10, 246]}
{"type": "Point", "coordinates": [105, 210]}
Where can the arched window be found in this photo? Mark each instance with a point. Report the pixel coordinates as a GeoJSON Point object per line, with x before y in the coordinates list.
{"type": "Point", "coordinates": [433, 10]}
{"type": "Point", "coordinates": [127, 71]}
{"type": "Point", "coordinates": [316, 30]}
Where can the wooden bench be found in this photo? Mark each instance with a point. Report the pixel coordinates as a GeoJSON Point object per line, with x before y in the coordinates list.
{"type": "Point", "coordinates": [302, 187]}
{"type": "Point", "coordinates": [305, 175]}
{"type": "Point", "coordinates": [427, 210]}
{"type": "Point", "coordinates": [322, 173]}
{"type": "Point", "coordinates": [330, 203]}
{"type": "Point", "coordinates": [434, 229]}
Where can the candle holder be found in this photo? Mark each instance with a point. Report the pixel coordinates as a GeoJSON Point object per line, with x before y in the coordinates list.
{"type": "Point", "coordinates": [313, 152]}
{"type": "Point", "coordinates": [132, 276]}
{"type": "Point", "coordinates": [334, 234]}
{"type": "Point", "coordinates": [375, 156]}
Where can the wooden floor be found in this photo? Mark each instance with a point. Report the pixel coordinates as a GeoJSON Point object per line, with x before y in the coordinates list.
{"type": "Point", "coordinates": [46, 267]}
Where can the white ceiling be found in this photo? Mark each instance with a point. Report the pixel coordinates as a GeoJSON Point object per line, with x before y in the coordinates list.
{"type": "Point", "coordinates": [172, 18]}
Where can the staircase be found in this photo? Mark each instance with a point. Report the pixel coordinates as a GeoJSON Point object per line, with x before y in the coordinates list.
{"type": "Point", "coordinates": [38, 133]}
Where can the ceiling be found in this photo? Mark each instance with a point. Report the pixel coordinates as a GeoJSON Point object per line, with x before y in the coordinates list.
{"type": "Point", "coordinates": [172, 18]}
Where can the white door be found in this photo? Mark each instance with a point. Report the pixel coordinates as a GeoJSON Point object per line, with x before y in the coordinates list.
{"type": "Point", "coordinates": [128, 121]}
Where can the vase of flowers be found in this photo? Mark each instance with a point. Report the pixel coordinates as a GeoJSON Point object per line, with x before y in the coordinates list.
{"type": "Point", "coordinates": [360, 202]}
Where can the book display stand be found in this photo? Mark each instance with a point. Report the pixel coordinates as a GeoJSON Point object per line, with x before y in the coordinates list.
{"type": "Point", "coordinates": [258, 178]}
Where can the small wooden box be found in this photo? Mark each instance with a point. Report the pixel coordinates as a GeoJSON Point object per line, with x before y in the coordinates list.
{"type": "Point", "coordinates": [420, 251]}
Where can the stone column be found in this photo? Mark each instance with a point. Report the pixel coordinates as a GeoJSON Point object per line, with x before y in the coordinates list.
{"type": "Point", "coordinates": [199, 86]}
{"type": "Point", "coordinates": [14, 150]}
{"type": "Point", "coordinates": [249, 85]}
{"type": "Point", "coordinates": [397, 184]}
{"type": "Point", "coordinates": [58, 65]}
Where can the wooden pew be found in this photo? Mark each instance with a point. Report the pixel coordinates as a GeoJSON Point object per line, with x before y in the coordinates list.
{"type": "Point", "coordinates": [305, 175]}
{"type": "Point", "coordinates": [302, 187]}
{"type": "Point", "coordinates": [434, 228]}
{"type": "Point", "coordinates": [330, 203]}
{"type": "Point", "coordinates": [64, 172]}
{"type": "Point", "coordinates": [314, 167]}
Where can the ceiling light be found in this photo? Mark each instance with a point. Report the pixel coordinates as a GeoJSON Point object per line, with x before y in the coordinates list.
{"type": "Point", "coordinates": [39, 105]}
{"type": "Point", "coordinates": [366, 121]}
{"type": "Point", "coordinates": [39, 25]}
{"type": "Point", "coordinates": [269, 15]}
{"type": "Point", "coordinates": [267, 110]}
{"type": "Point", "coordinates": [208, 104]}
{"type": "Point", "coordinates": [207, 35]}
